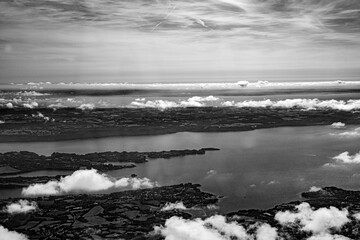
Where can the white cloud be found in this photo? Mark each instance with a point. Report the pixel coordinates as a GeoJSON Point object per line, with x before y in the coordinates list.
{"type": "Point", "coordinates": [173, 206]}
{"type": "Point", "coordinates": [262, 83]}
{"type": "Point", "coordinates": [308, 104]}
{"type": "Point", "coordinates": [87, 106]}
{"type": "Point", "coordinates": [346, 158]}
{"type": "Point", "coordinates": [266, 232]}
{"type": "Point", "coordinates": [353, 133]}
{"type": "Point", "coordinates": [9, 105]}
{"type": "Point", "coordinates": [86, 181]}
{"type": "Point", "coordinates": [212, 228]}
{"type": "Point", "coordinates": [22, 206]}
{"type": "Point", "coordinates": [56, 105]}
{"type": "Point", "coordinates": [251, 104]}
{"type": "Point", "coordinates": [135, 183]}
{"type": "Point", "coordinates": [5, 234]}
{"type": "Point", "coordinates": [195, 101]}
{"type": "Point", "coordinates": [316, 221]}
{"type": "Point", "coordinates": [31, 94]}
{"type": "Point", "coordinates": [327, 236]}
{"type": "Point", "coordinates": [357, 216]}
{"type": "Point", "coordinates": [211, 172]}
{"type": "Point", "coordinates": [315, 189]}
{"type": "Point", "coordinates": [162, 104]}
{"type": "Point", "coordinates": [337, 125]}
{"type": "Point", "coordinates": [191, 103]}
{"type": "Point", "coordinates": [40, 115]}
{"type": "Point", "coordinates": [31, 105]}
{"type": "Point", "coordinates": [203, 99]}
{"type": "Point", "coordinates": [2, 122]}
{"type": "Point", "coordinates": [273, 182]}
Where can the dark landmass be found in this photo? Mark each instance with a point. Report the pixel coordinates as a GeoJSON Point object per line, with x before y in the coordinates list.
{"type": "Point", "coordinates": [75, 91]}
{"type": "Point", "coordinates": [73, 123]}
{"type": "Point", "coordinates": [121, 215]}
{"type": "Point", "coordinates": [133, 214]}
{"type": "Point", "coordinates": [328, 196]}
{"type": "Point", "coordinates": [20, 182]}
{"type": "Point", "coordinates": [25, 161]}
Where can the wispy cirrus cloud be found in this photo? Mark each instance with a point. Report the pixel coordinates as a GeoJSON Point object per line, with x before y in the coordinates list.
{"type": "Point", "coordinates": [118, 37]}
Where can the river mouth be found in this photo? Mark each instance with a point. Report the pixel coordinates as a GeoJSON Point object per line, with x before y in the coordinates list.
{"type": "Point", "coordinates": [253, 169]}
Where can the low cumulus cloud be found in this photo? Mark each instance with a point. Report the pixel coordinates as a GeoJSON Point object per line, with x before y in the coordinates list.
{"type": "Point", "coordinates": [348, 134]}
{"type": "Point", "coordinates": [31, 105]}
{"type": "Point", "coordinates": [337, 125]}
{"type": "Point", "coordinates": [174, 206]}
{"type": "Point", "coordinates": [357, 216]}
{"type": "Point", "coordinates": [84, 181]}
{"type": "Point", "coordinates": [346, 158]}
{"type": "Point", "coordinates": [308, 104]}
{"type": "Point", "coordinates": [161, 104]}
{"type": "Point", "coordinates": [31, 93]}
{"type": "Point", "coordinates": [40, 115]}
{"type": "Point", "coordinates": [315, 189]}
{"type": "Point", "coordinates": [328, 236]}
{"type": "Point", "coordinates": [9, 105]}
{"type": "Point", "coordinates": [215, 228]}
{"type": "Point", "coordinates": [56, 106]}
{"type": "Point", "coordinates": [5, 234]}
{"type": "Point", "coordinates": [195, 101]}
{"type": "Point", "coordinates": [318, 222]}
{"type": "Point", "coordinates": [22, 206]}
{"type": "Point", "coordinates": [87, 106]}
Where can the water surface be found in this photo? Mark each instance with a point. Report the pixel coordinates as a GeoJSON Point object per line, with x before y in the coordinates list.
{"type": "Point", "coordinates": [253, 169]}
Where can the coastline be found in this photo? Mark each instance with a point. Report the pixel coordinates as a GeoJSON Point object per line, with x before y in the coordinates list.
{"type": "Point", "coordinates": [75, 124]}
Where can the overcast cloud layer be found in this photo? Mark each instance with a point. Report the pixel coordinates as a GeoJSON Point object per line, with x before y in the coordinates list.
{"type": "Point", "coordinates": [162, 40]}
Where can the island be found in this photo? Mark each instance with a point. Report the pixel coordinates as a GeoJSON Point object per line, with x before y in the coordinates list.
{"type": "Point", "coordinates": [24, 161]}
{"type": "Point", "coordinates": [72, 123]}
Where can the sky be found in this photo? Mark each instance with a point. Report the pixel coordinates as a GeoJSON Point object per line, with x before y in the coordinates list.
{"type": "Point", "coordinates": [178, 41]}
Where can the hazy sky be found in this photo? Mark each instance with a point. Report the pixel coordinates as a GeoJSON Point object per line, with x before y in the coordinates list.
{"type": "Point", "coordinates": [169, 40]}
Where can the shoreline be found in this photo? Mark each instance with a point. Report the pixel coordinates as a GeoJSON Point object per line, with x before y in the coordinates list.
{"type": "Point", "coordinates": [111, 133]}
{"type": "Point", "coordinates": [76, 124]}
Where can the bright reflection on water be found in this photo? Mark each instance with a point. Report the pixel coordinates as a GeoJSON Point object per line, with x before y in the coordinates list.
{"type": "Point", "coordinates": [254, 169]}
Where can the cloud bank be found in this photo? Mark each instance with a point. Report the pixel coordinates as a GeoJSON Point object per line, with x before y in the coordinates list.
{"type": "Point", "coordinates": [195, 101]}
{"type": "Point", "coordinates": [87, 106]}
{"type": "Point", "coordinates": [319, 222]}
{"type": "Point", "coordinates": [31, 94]}
{"type": "Point", "coordinates": [5, 234]}
{"type": "Point", "coordinates": [351, 134]}
{"type": "Point", "coordinates": [308, 104]}
{"type": "Point", "coordinates": [346, 158]}
{"type": "Point", "coordinates": [31, 105]}
{"type": "Point", "coordinates": [86, 181]}
{"type": "Point", "coordinates": [214, 228]}
{"type": "Point", "coordinates": [22, 206]}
